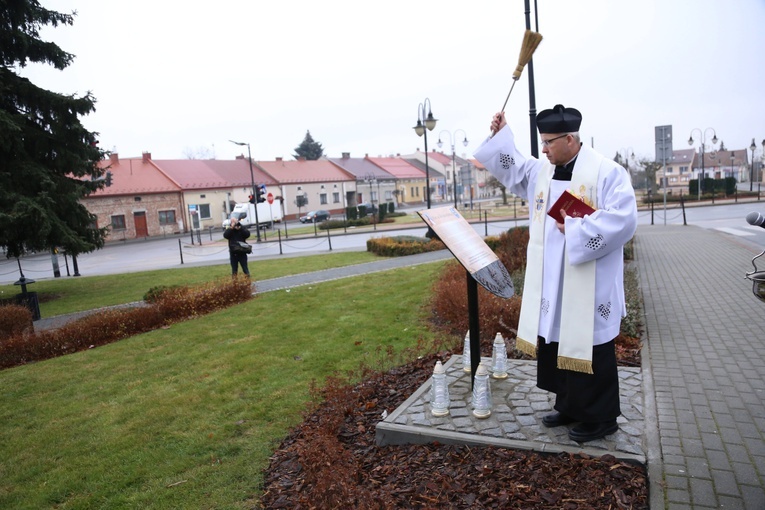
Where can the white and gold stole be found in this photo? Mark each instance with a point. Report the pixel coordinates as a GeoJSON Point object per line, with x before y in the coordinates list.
{"type": "Point", "coordinates": [578, 305]}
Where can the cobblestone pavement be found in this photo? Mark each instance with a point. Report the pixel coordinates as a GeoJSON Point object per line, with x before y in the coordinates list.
{"type": "Point", "coordinates": [516, 415]}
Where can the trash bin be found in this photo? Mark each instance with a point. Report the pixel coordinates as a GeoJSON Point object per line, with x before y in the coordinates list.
{"type": "Point", "coordinates": [30, 300]}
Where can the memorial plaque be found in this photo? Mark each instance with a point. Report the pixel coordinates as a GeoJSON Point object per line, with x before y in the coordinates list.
{"type": "Point", "coordinates": [469, 249]}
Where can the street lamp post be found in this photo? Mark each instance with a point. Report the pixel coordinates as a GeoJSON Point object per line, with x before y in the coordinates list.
{"type": "Point", "coordinates": [452, 139]}
{"type": "Point", "coordinates": [762, 160]}
{"type": "Point", "coordinates": [703, 139]}
{"type": "Point", "coordinates": [732, 162]}
{"type": "Point", "coordinates": [425, 124]}
{"type": "Point", "coordinates": [371, 179]}
{"type": "Point", "coordinates": [627, 154]}
{"type": "Point", "coordinates": [751, 169]}
{"type": "Point", "coordinates": [252, 182]}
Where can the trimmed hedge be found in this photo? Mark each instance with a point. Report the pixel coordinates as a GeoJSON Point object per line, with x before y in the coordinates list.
{"type": "Point", "coordinates": [169, 305]}
{"type": "Point", "coordinates": [361, 222]}
{"type": "Point", "coordinates": [398, 246]}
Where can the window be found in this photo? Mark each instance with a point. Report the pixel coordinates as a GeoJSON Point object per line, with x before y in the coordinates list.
{"type": "Point", "coordinates": [118, 222]}
{"type": "Point", "coordinates": [374, 196]}
{"type": "Point", "coordinates": [669, 169]}
{"type": "Point", "coordinates": [388, 195]}
{"type": "Point", "coordinates": [204, 211]}
{"type": "Point", "coordinates": [683, 169]}
{"type": "Point", "coordinates": [167, 217]}
{"type": "Point", "coordinates": [323, 198]}
{"type": "Point", "coordinates": [336, 197]}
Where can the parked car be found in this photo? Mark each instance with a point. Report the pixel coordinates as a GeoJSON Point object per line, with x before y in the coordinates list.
{"type": "Point", "coordinates": [314, 216]}
{"type": "Point", "coordinates": [371, 208]}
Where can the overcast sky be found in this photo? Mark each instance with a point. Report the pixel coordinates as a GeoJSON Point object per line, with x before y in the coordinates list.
{"type": "Point", "coordinates": [178, 77]}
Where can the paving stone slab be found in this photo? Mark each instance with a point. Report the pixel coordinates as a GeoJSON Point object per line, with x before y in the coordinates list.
{"type": "Point", "coordinates": [516, 418]}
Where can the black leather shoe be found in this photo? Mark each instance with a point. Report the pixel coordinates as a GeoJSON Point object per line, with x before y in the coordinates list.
{"type": "Point", "coordinates": [556, 420]}
{"type": "Point", "coordinates": [591, 431]}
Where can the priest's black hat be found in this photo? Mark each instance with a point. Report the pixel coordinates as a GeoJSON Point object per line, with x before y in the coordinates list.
{"type": "Point", "coordinates": [559, 120]}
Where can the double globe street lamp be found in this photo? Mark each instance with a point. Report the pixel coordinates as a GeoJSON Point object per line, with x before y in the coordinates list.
{"type": "Point", "coordinates": [626, 155]}
{"type": "Point", "coordinates": [425, 123]}
{"type": "Point", "coordinates": [452, 139]}
{"type": "Point", "coordinates": [703, 139]}
{"type": "Point", "coordinates": [752, 148]}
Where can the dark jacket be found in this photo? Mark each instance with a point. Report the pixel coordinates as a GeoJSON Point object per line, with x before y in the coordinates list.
{"type": "Point", "coordinates": [234, 235]}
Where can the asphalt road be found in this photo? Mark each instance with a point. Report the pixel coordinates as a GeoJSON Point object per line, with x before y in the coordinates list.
{"type": "Point", "coordinates": [178, 251]}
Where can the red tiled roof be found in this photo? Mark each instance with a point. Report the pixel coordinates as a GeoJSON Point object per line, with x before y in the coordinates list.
{"type": "Point", "coordinates": [304, 171]}
{"type": "Point", "coordinates": [433, 172]}
{"type": "Point", "coordinates": [399, 168]}
{"type": "Point", "coordinates": [237, 172]}
{"type": "Point", "coordinates": [134, 175]}
{"type": "Point", "coordinates": [192, 174]}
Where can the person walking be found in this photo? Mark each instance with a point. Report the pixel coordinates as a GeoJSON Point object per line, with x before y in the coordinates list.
{"type": "Point", "coordinates": [236, 233]}
{"type": "Point", "coordinates": [573, 294]}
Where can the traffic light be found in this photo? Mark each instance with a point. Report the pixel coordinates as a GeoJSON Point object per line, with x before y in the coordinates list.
{"type": "Point", "coordinates": [108, 178]}
{"type": "Point", "coordinates": [261, 191]}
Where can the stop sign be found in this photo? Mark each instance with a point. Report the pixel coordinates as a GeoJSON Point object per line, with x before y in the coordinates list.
{"type": "Point", "coordinates": [270, 198]}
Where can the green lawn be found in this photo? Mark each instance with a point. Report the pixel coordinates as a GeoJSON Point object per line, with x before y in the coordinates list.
{"type": "Point", "coordinates": [186, 417]}
{"type": "Point", "coordinates": [65, 295]}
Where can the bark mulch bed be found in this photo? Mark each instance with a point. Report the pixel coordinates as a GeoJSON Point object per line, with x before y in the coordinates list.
{"type": "Point", "coordinates": [331, 461]}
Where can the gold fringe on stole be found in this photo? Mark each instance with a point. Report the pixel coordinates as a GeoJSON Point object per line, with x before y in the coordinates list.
{"type": "Point", "coordinates": [577, 365]}
{"type": "Point", "coordinates": [526, 347]}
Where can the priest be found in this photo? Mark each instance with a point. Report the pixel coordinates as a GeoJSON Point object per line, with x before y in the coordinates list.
{"type": "Point", "coordinates": [573, 293]}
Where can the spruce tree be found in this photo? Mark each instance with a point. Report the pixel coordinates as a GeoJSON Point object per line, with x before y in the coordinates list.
{"type": "Point", "coordinates": [308, 148]}
{"type": "Point", "coordinates": [48, 160]}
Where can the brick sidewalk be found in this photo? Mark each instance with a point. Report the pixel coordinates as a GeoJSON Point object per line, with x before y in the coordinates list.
{"type": "Point", "coordinates": [705, 338]}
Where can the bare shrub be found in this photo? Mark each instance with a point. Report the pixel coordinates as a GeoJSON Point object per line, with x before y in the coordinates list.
{"type": "Point", "coordinates": [450, 309]}
{"type": "Point", "coordinates": [14, 320]}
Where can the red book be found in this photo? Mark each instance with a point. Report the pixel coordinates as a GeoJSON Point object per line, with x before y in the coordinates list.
{"type": "Point", "coordinates": [573, 205]}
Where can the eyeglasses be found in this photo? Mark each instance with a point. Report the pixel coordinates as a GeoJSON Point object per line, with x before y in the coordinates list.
{"type": "Point", "coordinates": [546, 143]}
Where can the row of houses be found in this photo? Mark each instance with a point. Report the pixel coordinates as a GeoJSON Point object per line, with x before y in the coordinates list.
{"type": "Point", "coordinates": [147, 197]}
{"type": "Point", "coordinates": [686, 165]}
